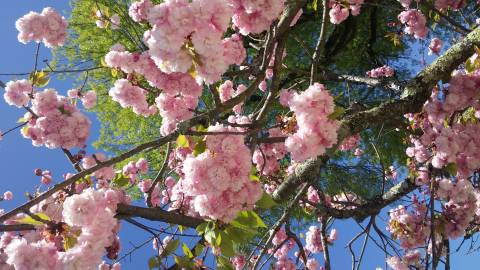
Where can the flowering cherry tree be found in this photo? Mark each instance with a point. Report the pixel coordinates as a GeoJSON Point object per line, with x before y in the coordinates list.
{"type": "Point", "coordinates": [252, 127]}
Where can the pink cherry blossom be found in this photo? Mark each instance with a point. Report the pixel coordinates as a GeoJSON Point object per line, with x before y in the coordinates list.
{"type": "Point", "coordinates": [48, 27]}
{"type": "Point", "coordinates": [16, 93]}
{"type": "Point", "coordinates": [8, 195]}
{"type": "Point", "coordinates": [316, 132]}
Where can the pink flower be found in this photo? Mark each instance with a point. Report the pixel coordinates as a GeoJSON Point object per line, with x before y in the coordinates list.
{"type": "Point", "coordinates": [216, 183]}
{"type": "Point", "coordinates": [338, 14]}
{"type": "Point", "coordinates": [316, 132]}
{"type": "Point", "coordinates": [16, 93]}
{"type": "Point", "coordinates": [384, 71]}
{"type": "Point", "coordinates": [415, 23]}
{"type": "Point", "coordinates": [313, 240]}
{"type": "Point", "coordinates": [263, 86]}
{"type": "Point", "coordinates": [313, 264]}
{"type": "Point", "coordinates": [279, 237]}
{"type": "Point", "coordinates": [89, 99]}
{"type": "Point", "coordinates": [8, 195]}
{"type": "Point", "coordinates": [435, 46]}
{"type": "Point", "coordinates": [255, 16]}
{"type": "Point", "coordinates": [139, 10]}
{"type": "Point", "coordinates": [48, 27]}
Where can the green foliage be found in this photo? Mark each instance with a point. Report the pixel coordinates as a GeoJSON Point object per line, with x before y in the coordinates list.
{"type": "Point", "coordinates": [266, 202]}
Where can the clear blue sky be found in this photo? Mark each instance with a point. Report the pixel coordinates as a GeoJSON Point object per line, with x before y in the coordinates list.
{"type": "Point", "coordinates": [18, 158]}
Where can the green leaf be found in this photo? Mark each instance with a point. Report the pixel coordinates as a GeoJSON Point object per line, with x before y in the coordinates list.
{"type": "Point", "coordinates": [187, 251]}
{"type": "Point", "coordinates": [469, 66]}
{"type": "Point", "coordinates": [183, 262]}
{"type": "Point", "coordinates": [201, 127]}
{"type": "Point", "coordinates": [202, 228]}
{"type": "Point", "coordinates": [153, 262]}
{"type": "Point", "coordinates": [315, 5]}
{"type": "Point", "coordinates": [224, 263]}
{"type": "Point", "coordinates": [198, 250]}
{"type": "Point", "coordinates": [170, 248]}
{"type": "Point", "coordinates": [254, 174]}
{"type": "Point", "coordinates": [69, 242]}
{"type": "Point", "coordinates": [39, 78]}
{"type": "Point", "coordinates": [25, 129]}
{"type": "Point", "coordinates": [451, 169]}
{"type": "Point", "coordinates": [182, 141]}
{"type": "Point", "coordinates": [121, 180]}
{"type": "Point", "coordinates": [266, 202]}
{"type": "Point", "coordinates": [226, 245]}
{"type": "Point", "coordinates": [239, 235]}
{"type": "Point", "coordinates": [114, 72]}
{"type": "Point", "coordinates": [199, 148]}
{"type": "Point", "coordinates": [31, 221]}
{"type": "Point", "coordinates": [22, 120]}
{"type": "Point", "coordinates": [337, 113]}
{"type": "Point", "coordinates": [248, 219]}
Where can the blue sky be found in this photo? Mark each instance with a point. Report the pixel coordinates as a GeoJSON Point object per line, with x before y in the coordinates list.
{"type": "Point", "coordinates": [18, 158]}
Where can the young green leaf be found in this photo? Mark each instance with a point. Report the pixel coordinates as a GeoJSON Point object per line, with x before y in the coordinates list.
{"type": "Point", "coordinates": [266, 202]}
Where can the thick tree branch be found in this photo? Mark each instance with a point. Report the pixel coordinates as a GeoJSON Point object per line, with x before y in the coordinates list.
{"type": "Point", "coordinates": [16, 227]}
{"type": "Point", "coordinates": [416, 92]}
{"type": "Point", "coordinates": [156, 214]}
{"type": "Point", "coordinates": [371, 207]}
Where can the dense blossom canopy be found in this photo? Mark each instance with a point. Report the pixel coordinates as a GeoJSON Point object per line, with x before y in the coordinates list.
{"type": "Point", "coordinates": [251, 125]}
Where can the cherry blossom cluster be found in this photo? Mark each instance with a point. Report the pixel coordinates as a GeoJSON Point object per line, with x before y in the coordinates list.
{"type": "Point", "coordinates": [415, 23]}
{"type": "Point", "coordinates": [131, 96]}
{"type": "Point", "coordinates": [410, 228]}
{"type": "Point", "coordinates": [106, 266]}
{"type": "Point", "coordinates": [190, 35]}
{"type": "Point", "coordinates": [316, 132]}
{"type": "Point", "coordinates": [17, 93]}
{"type": "Point", "coordinates": [102, 21]}
{"type": "Point", "coordinates": [46, 176]}
{"type": "Point", "coordinates": [283, 245]}
{"type": "Point", "coordinates": [227, 92]}
{"type": "Point", "coordinates": [460, 207]}
{"type": "Point", "coordinates": [178, 155]}
{"type": "Point", "coordinates": [103, 175]}
{"type": "Point", "coordinates": [267, 156]}
{"type": "Point", "coordinates": [435, 46]}
{"type": "Point", "coordinates": [455, 142]}
{"type": "Point", "coordinates": [239, 262]}
{"type": "Point", "coordinates": [89, 217]}
{"type": "Point", "coordinates": [180, 91]}
{"type": "Point", "coordinates": [314, 239]}
{"type": "Point", "coordinates": [255, 16]}
{"type": "Point", "coordinates": [132, 169]}
{"type": "Point", "coordinates": [384, 71]}
{"type": "Point", "coordinates": [339, 11]}
{"type": "Point", "coordinates": [56, 122]}
{"type": "Point", "coordinates": [218, 180]}
{"type": "Point", "coordinates": [139, 10]}
{"type": "Point", "coordinates": [411, 257]}
{"type": "Point", "coordinates": [47, 27]}
{"type": "Point", "coordinates": [89, 99]}
{"type": "Point", "coordinates": [7, 195]}
{"type": "Point", "coordinates": [350, 143]}
{"type": "Point", "coordinates": [158, 196]}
